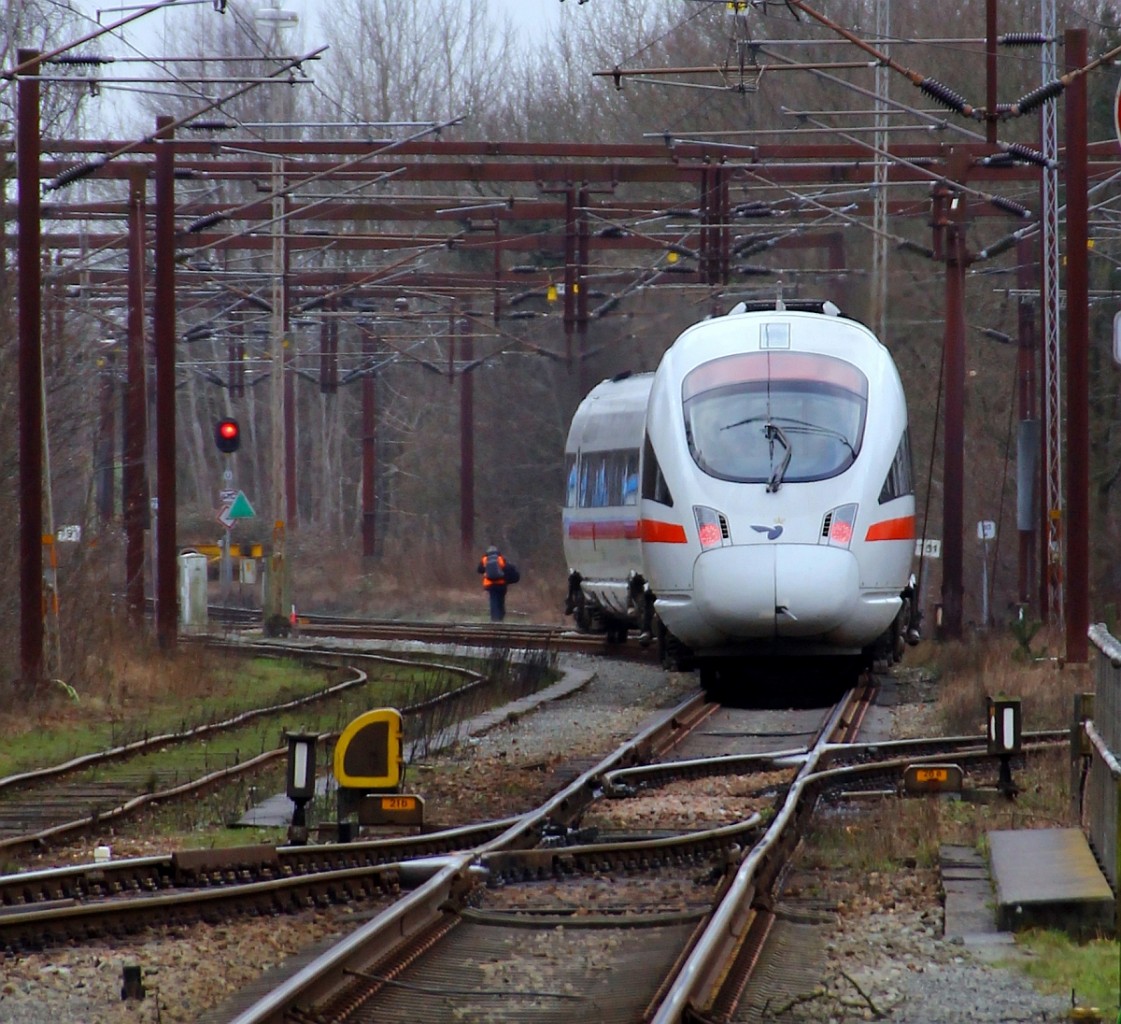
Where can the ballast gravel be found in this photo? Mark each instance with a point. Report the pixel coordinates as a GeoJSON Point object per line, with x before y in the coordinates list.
{"type": "Point", "coordinates": [883, 953]}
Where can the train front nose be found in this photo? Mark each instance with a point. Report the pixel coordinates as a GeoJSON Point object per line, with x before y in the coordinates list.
{"type": "Point", "coordinates": [762, 591]}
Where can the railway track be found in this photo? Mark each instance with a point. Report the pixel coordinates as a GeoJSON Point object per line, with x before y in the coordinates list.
{"type": "Point", "coordinates": [94, 791]}
{"type": "Point", "coordinates": [546, 907]}
{"type": "Point", "coordinates": [98, 790]}
{"type": "Point", "coordinates": [506, 892]}
{"type": "Point", "coordinates": [508, 635]}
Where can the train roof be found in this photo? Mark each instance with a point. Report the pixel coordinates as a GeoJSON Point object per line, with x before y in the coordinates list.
{"type": "Point", "coordinates": [822, 307]}
{"type": "Point", "coordinates": [612, 415]}
{"type": "Point", "coordinates": [824, 313]}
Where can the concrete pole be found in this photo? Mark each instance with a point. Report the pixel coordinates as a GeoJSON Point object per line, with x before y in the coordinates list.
{"type": "Point", "coordinates": [135, 444]}
{"type": "Point", "coordinates": [163, 320]}
{"type": "Point", "coordinates": [467, 439]}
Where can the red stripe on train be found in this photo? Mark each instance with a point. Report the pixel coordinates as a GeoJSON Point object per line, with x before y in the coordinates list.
{"type": "Point", "coordinates": [604, 529]}
{"type": "Point", "coordinates": [652, 531]}
{"type": "Point", "coordinates": [656, 532]}
{"type": "Point", "coordinates": [902, 528]}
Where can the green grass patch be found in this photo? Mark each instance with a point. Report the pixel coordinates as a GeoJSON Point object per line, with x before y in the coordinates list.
{"type": "Point", "coordinates": [1061, 966]}
{"type": "Point", "coordinates": [223, 689]}
{"type": "Point", "coordinates": [434, 703]}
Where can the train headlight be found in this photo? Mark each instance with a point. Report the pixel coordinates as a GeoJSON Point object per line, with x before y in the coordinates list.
{"type": "Point", "coordinates": [712, 527]}
{"type": "Point", "coordinates": [838, 525]}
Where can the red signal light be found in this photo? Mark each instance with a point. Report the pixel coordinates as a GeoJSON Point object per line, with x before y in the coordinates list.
{"type": "Point", "coordinates": [227, 435]}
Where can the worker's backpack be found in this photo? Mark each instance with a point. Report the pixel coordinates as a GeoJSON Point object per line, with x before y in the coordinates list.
{"type": "Point", "coordinates": [493, 570]}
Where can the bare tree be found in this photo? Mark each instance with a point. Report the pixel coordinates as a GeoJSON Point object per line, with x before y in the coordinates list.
{"type": "Point", "coordinates": [420, 61]}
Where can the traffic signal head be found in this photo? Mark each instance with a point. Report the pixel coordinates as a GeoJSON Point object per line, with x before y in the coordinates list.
{"type": "Point", "coordinates": [227, 435]}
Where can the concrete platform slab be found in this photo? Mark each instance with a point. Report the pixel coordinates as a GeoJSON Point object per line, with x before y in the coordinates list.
{"type": "Point", "coordinates": [968, 912]}
{"type": "Point", "coordinates": [1048, 878]}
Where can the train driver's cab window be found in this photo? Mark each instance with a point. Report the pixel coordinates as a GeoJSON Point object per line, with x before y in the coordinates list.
{"type": "Point", "coordinates": [900, 478]}
{"type": "Point", "coordinates": [654, 486]}
{"type": "Point", "coordinates": [775, 417]}
{"type": "Point", "coordinates": [607, 479]}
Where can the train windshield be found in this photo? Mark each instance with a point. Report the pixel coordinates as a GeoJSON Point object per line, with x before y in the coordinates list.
{"type": "Point", "coordinates": [775, 417]}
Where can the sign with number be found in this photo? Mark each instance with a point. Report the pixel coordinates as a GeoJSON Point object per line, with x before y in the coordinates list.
{"type": "Point", "coordinates": [928, 548]}
{"type": "Point", "coordinates": [69, 534]}
{"type": "Point", "coordinates": [986, 529]}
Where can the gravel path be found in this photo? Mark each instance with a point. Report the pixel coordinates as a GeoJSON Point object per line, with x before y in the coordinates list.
{"type": "Point", "coordinates": [883, 956]}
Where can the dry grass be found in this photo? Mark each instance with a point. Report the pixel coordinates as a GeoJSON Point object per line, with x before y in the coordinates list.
{"type": "Point", "coordinates": [997, 664]}
{"type": "Point", "coordinates": [897, 832]}
{"type": "Point", "coordinates": [121, 681]}
{"type": "Point", "coordinates": [429, 583]}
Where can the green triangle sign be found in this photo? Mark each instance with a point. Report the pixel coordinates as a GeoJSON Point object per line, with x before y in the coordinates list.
{"type": "Point", "coordinates": [241, 509]}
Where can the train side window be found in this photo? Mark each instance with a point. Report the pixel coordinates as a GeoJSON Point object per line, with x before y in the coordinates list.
{"type": "Point", "coordinates": [654, 484]}
{"type": "Point", "coordinates": [605, 479]}
{"type": "Point", "coordinates": [630, 476]}
{"type": "Point", "coordinates": [900, 477]}
{"type": "Point", "coordinates": [571, 487]}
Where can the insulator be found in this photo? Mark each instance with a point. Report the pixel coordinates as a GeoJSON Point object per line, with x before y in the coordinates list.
{"type": "Point", "coordinates": [752, 270]}
{"type": "Point", "coordinates": [77, 60]}
{"type": "Point", "coordinates": [750, 248]}
{"type": "Point", "coordinates": [203, 125]}
{"type": "Point", "coordinates": [908, 246]}
{"type": "Point", "coordinates": [205, 222]}
{"type": "Point", "coordinates": [608, 306]}
{"type": "Point", "coordinates": [1037, 97]}
{"type": "Point", "coordinates": [997, 248]}
{"type": "Point", "coordinates": [1027, 154]}
{"type": "Point", "coordinates": [756, 209]}
{"type": "Point", "coordinates": [1010, 206]}
{"type": "Point", "coordinates": [1023, 39]}
{"type": "Point", "coordinates": [76, 173]}
{"type": "Point", "coordinates": [992, 332]}
{"type": "Point", "coordinates": [943, 94]}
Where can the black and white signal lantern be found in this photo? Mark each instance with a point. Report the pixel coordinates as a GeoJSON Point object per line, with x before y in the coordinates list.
{"type": "Point", "coordinates": [227, 435]}
{"type": "Point", "coordinates": [300, 786]}
{"type": "Point", "coordinates": [1005, 737]}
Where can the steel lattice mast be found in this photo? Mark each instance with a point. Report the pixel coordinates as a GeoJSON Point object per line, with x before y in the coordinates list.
{"type": "Point", "coordinates": [1051, 597]}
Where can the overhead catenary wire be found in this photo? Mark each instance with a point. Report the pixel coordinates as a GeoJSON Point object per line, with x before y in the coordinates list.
{"type": "Point", "coordinates": [942, 93]}
{"type": "Point", "coordinates": [1000, 202]}
{"type": "Point", "coordinates": [72, 174]}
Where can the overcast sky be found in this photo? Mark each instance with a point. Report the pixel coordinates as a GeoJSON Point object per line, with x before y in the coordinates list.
{"type": "Point", "coordinates": [533, 19]}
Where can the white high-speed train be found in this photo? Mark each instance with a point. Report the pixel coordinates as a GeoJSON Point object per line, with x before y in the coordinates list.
{"type": "Point", "coordinates": [752, 497]}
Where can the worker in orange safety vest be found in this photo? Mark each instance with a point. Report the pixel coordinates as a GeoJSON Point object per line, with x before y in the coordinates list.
{"type": "Point", "coordinates": [498, 573]}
